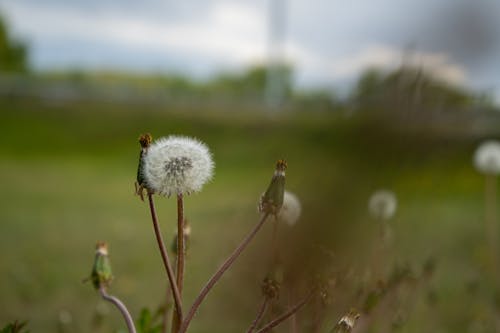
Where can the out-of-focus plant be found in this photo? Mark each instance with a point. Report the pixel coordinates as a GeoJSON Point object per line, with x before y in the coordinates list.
{"type": "Point", "coordinates": [15, 327]}
{"type": "Point", "coordinates": [487, 162]}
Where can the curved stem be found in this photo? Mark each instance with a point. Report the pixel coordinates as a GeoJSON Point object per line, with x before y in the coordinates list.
{"type": "Point", "coordinates": [123, 309]}
{"type": "Point", "coordinates": [286, 315]}
{"type": "Point", "coordinates": [164, 256]}
{"type": "Point", "coordinates": [218, 274]}
{"type": "Point", "coordinates": [257, 319]}
{"type": "Point", "coordinates": [176, 321]}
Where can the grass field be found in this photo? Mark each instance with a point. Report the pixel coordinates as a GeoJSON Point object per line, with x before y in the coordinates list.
{"type": "Point", "coordinates": [67, 173]}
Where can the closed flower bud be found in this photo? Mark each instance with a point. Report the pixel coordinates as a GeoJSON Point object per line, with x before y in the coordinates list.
{"type": "Point", "coordinates": [144, 141]}
{"type": "Point", "coordinates": [270, 288]}
{"type": "Point", "coordinates": [272, 200]}
{"type": "Point", "coordinates": [101, 272]}
{"type": "Point", "coordinates": [187, 239]}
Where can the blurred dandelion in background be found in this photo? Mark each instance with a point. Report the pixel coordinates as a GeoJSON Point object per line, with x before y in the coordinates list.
{"type": "Point", "coordinates": [291, 209]}
{"type": "Point", "coordinates": [487, 162]}
{"type": "Point", "coordinates": [382, 204]}
{"type": "Point", "coordinates": [487, 157]}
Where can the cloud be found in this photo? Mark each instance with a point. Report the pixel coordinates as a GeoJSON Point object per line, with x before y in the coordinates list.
{"type": "Point", "coordinates": [232, 32]}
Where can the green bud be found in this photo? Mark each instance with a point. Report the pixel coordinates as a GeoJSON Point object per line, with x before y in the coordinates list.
{"type": "Point", "coordinates": [272, 200]}
{"type": "Point", "coordinates": [140, 184]}
{"type": "Point", "coordinates": [101, 272]}
{"type": "Point", "coordinates": [270, 288]}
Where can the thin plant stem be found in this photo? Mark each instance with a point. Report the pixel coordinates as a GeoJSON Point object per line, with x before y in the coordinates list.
{"type": "Point", "coordinates": [491, 223]}
{"type": "Point", "coordinates": [123, 309]}
{"type": "Point", "coordinates": [293, 319]}
{"type": "Point", "coordinates": [274, 245]}
{"type": "Point", "coordinates": [286, 315]}
{"type": "Point", "coordinates": [166, 310]}
{"type": "Point", "coordinates": [218, 274]}
{"type": "Point", "coordinates": [180, 256]}
{"type": "Point", "coordinates": [164, 256]}
{"type": "Point", "coordinates": [261, 312]}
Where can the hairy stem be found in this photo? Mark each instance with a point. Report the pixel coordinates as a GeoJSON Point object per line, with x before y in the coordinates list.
{"type": "Point", "coordinates": [164, 256]}
{"type": "Point", "coordinates": [257, 319]}
{"type": "Point", "coordinates": [123, 309]}
{"type": "Point", "coordinates": [218, 274]}
{"type": "Point", "coordinates": [286, 315]}
{"type": "Point", "coordinates": [180, 255]}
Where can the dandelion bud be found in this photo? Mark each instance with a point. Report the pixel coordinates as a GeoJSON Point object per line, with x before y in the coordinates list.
{"type": "Point", "coordinates": [382, 204]}
{"type": "Point", "coordinates": [177, 165]}
{"type": "Point", "coordinates": [272, 200]}
{"type": "Point", "coordinates": [144, 141]}
{"type": "Point", "coordinates": [347, 322]}
{"type": "Point", "coordinates": [187, 238]}
{"type": "Point", "coordinates": [487, 157]}
{"type": "Point", "coordinates": [101, 272]}
{"type": "Point", "coordinates": [270, 288]}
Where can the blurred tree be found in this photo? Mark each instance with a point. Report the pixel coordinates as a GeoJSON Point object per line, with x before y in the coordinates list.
{"type": "Point", "coordinates": [13, 53]}
{"type": "Point", "coordinates": [409, 89]}
{"type": "Point", "coordinates": [251, 83]}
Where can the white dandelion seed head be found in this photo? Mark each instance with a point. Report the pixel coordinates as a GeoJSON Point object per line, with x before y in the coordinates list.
{"type": "Point", "coordinates": [487, 157]}
{"type": "Point", "coordinates": [177, 165]}
{"type": "Point", "coordinates": [291, 209]}
{"type": "Point", "coordinates": [382, 204]}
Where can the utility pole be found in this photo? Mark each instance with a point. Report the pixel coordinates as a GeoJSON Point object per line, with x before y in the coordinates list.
{"type": "Point", "coordinates": [275, 78]}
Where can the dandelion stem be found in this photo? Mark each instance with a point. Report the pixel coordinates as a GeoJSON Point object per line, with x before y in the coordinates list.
{"type": "Point", "coordinates": [164, 256]}
{"type": "Point", "coordinates": [491, 223]}
{"type": "Point", "coordinates": [180, 255]}
{"type": "Point", "coordinates": [261, 312]}
{"type": "Point", "coordinates": [286, 315]}
{"type": "Point", "coordinates": [293, 319]}
{"type": "Point", "coordinates": [123, 309]}
{"type": "Point", "coordinates": [218, 274]}
{"type": "Point", "coordinates": [166, 310]}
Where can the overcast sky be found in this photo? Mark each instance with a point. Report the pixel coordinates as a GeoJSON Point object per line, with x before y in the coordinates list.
{"type": "Point", "coordinates": [329, 42]}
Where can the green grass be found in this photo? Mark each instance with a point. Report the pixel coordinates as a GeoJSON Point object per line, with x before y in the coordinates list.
{"type": "Point", "coordinates": [67, 174]}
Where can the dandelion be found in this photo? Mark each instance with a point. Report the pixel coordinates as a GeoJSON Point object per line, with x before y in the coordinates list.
{"type": "Point", "coordinates": [487, 157]}
{"type": "Point", "coordinates": [487, 161]}
{"type": "Point", "coordinates": [382, 204]}
{"type": "Point", "coordinates": [291, 209]}
{"type": "Point", "coordinates": [177, 165]}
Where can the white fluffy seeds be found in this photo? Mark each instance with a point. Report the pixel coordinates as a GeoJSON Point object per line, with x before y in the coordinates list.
{"type": "Point", "coordinates": [487, 157]}
{"type": "Point", "coordinates": [382, 204]}
{"type": "Point", "coordinates": [177, 165]}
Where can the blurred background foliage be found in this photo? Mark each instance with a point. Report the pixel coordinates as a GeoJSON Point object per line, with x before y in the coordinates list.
{"type": "Point", "coordinates": [69, 150]}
